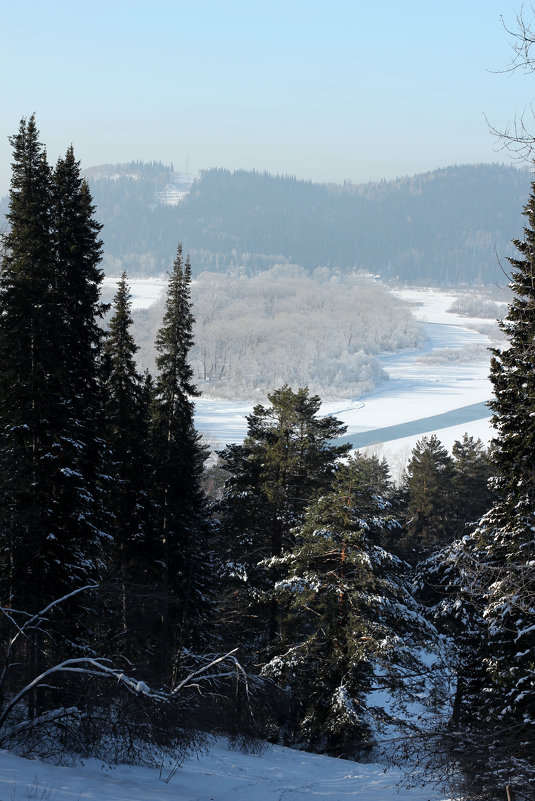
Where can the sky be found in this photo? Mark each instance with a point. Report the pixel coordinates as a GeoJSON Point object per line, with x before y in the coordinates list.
{"type": "Point", "coordinates": [326, 90]}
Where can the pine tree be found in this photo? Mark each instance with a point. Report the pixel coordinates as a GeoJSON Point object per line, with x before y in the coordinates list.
{"type": "Point", "coordinates": [429, 478]}
{"type": "Point", "coordinates": [351, 624]}
{"type": "Point", "coordinates": [178, 459]}
{"type": "Point", "coordinates": [286, 458]}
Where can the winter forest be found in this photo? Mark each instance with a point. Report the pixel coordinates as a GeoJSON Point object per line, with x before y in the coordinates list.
{"type": "Point", "coordinates": [288, 591]}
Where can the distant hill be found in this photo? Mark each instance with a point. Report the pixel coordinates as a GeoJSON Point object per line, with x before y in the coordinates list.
{"type": "Point", "coordinates": [441, 227]}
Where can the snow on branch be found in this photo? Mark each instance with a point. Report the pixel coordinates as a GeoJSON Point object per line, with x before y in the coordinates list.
{"type": "Point", "coordinates": [201, 674]}
{"type": "Point", "coordinates": [32, 622]}
{"type": "Point", "coordinates": [227, 664]}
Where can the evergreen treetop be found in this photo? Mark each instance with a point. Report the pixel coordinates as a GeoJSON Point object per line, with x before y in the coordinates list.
{"type": "Point", "coordinates": [49, 401]}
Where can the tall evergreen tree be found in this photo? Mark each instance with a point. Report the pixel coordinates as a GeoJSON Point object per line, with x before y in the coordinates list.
{"type": "Point", "coordinates": [78, 277]}
{"type": "Point", "coordinates": [471, 495]}
{"type": "Point", "coordinates": [178, 458]}
{"type": "Point", "coordinates": [28, 305]}
{"type": "Point", "coordinates": [489, 577]}
{"type": "Point", "coordinates": [132, 567]}
{"type": "Point", "coordinates": [506, 534]}
{"type": "Point", "coordinates": [429, 478]}
{"type": "Point", "coordinates": [50, 486]}
{"type": "Point", "coordinates": [48, 402]}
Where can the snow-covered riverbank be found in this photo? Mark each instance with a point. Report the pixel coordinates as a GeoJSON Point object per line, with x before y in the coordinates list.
{"type": "Point", "coordinates": [426, 392]}
{"type": "Point", "coordinates": [450, 392]}
{"type": "Point", "coordinates": [418, 388]}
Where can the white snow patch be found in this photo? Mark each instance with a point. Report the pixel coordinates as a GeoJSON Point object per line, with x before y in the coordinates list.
{"type": "Point", "coordinates": [219, 775]}
{"type": "Point", "coordinates": [145, 291]}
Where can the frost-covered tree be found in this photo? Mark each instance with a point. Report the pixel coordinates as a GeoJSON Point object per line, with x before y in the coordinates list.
{"type": "Point", "coordinates": [351, 624]}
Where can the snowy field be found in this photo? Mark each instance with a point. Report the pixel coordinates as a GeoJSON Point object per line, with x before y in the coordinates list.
{"type": "Point", "coordinates": [277, 774]}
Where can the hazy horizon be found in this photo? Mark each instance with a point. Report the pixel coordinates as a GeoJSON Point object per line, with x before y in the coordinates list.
{"type": "Point", "coordinates": [325, 92]}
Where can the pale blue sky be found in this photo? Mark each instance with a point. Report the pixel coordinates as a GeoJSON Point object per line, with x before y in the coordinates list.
{"type": "Point", "coordinates": [322, 89]}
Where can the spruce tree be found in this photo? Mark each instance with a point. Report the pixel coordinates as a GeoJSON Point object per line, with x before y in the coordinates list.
{"type": "Point", "coordinates": [28, 394]}
{"type": "Point", "coordinates": [50, 446]}
{"type": "Point", "coordinates": [132, 565]}
{"type": "Point", "coordinates": [77, 275]}
{"type": "Point", "coordinates": [471, 495]}
{"type": "Point", "coordinates": [506, 534]}
{"type": "Point", "coordinates": [429, 487]}
{"type": "Point", "coordinates": [49, 398]}
{"type": "Point", "coordinates": [178, 459]}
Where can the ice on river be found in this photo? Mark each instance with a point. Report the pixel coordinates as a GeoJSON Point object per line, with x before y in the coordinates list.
{"type": "Point", "coordinates": [416, 389]}
{"type": "Point", "coordinates": [144, 291]}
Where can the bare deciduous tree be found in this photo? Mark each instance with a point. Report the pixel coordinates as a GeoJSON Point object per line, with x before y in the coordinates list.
{"type": "Point", "coordinates": [518, 137]}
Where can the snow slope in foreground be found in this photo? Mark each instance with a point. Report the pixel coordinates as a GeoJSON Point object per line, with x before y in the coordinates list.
{"type": "Point", "coordinates": [278, 774]}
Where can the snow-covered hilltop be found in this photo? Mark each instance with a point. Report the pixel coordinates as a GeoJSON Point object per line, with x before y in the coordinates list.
{"type": "Point", "coordinates": [177, 189]}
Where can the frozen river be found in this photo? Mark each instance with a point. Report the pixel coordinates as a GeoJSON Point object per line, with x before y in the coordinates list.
{"type": "Point", "coordinates": [420, 396]}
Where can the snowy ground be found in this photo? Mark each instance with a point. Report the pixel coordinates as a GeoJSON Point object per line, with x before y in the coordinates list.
{"type": "Point", "coordinates": [277, 774]}
{"type": "Point", "coordinates": [145, 291]}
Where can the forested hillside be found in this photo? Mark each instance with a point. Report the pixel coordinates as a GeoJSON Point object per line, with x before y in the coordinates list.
{"type": "Point", "coordinates": [442, 227]}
